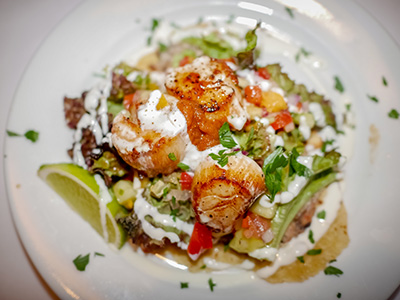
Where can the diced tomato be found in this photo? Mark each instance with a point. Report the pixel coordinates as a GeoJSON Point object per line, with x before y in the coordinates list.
{"type": "Point", "coordinates": [253, 94]}
{"type": "Point", "coordinates": [185, 60]}
{"type": "Point", "coordinates": [186, 181]}
{"type": "Point", "coordinates": [299, 105]}
{"type": "Point", "coordinates": [263, 73]}
{"type": "Point", "coordinates": [255, 226]}
{"type": "Point", "coordinates": [128, 101]}
{"type": "Point", "coordinates": [200, 241]}
{"type": "Point", "coordinates": [282, 120]}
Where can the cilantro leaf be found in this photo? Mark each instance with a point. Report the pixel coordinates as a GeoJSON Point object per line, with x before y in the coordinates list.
{"type": "Point", "coordinates": [183, 166]}
{"type": "Point", "coordinates": [314, 251]}
{"type": "Point", "coordinates": [326, 143]}
{"type": "Point", "coordinates": [296, 167]}
{"type": "Point", "coordinates": [394, 114]}
{"type": "Point", "coordinates": [172, 156]}
{"type": "Point", "coordinates": [98, 254]}
{"type": "Point", "coordinates": [290, 12]}
{"type": "Point", "coordinates": [373, 98]}
{"type": "Point", "coordinates": [162, 47]}
{"type": "Point", "coordinates": [302, 52]}
{"type": "Point", "coordinates": [339, 295]}
{"type": "Point", "coordinates": [11, 133]}
{"type": "Point", "coordinates": [81, 262]}
{"type": "Point", "coordinates": [154, 24]}
{"type": "Point", "coordinates": [222, 157]}
{"type": "Point", "coordinates": [333, 271]}
{"type": "Point", "coordinates": [384, 81]}
{"type": "Point", "coordinates": [212, 284]}
{"type": "Point", "coordinates": [321, 215]}
{"type": "Point", "coordinates": [311, 236]}
{"type": "Point", "coordinates": [338, 85]}
{"type": "Point", "coordinates": [184, 285]}
{"type": "Point", "coordinates": [225, 136]}
{"type": "Point", "coordinates": [300, 259]}
{"type": "Point", "coordinates": [273, 170]}
{"type": "Point", "coordinates": [174, 213]}
{"type": "Point", "coordinates": [31, 135]}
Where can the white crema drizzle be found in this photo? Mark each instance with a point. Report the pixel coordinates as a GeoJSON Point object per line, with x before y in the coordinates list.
{"type": "Point", "coordinates": [96, 108]}
{"type": "Point", "coordinates": [142, 209]}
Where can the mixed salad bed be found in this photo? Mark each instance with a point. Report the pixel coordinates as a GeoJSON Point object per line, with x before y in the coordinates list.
{"type": "Point", "coordinates": [206, 149]}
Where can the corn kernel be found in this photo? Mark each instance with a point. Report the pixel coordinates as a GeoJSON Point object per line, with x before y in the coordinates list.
{"type": "Point", "coordinates": [162, 103]}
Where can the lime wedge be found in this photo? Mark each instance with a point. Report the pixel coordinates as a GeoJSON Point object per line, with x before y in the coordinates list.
{"type": "Point", "coordinates": [81, 191]}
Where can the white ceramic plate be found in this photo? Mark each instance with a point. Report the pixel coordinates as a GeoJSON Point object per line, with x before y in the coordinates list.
{"type": "Point", "coordinates": [97, 33]}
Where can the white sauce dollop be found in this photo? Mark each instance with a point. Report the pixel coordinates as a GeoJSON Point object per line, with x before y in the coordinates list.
{"type": "Point", "coordinates": [168, 120]}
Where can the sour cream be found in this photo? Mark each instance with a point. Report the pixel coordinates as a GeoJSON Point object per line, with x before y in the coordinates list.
{"type": "Point", "coordinates": [168, 120]}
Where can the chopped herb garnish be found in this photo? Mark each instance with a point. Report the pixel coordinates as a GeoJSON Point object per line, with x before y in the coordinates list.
{"type": "Point", "coordinates": [333, 271]}
{"type": "Point", "coordinates": [31, 135]}
{"type": "Point", "coordinates": [11, 133]}
{"type": "Point", "coordinates": [225, 136]}
{"type": "Point", "coordinates": [203, 267]}
{"type": "Point", "coordinates": [81, 262]}
{"type": "Point", "coordinates": [183, 166]}
{"type": "Point", "coordinates": [98, 254]}
{"type": "Point", "coordinates": [321, 215]}
{"type": "Point", "coordinates": [165, 191]}
{"type": "Point", "coordinates": [222, 157]}
{"type": "Point", "coordinates": [172, 156]}
{"type": "Point", "coordinates": [174, 213]}
{"type": "Point", "coordinates": [339, 295]}
{"type": "Point", "coordinates": [338, 85]}
{"type": "Point", "coordinates": [300, 259]}
{"type": "Point", "coordinates": [373, 98]}
{"type": "Point", "coordinates": [290, 12]}
{"type": "Point", "coordinates": [348, 106]}
{"type": "Point", "coordinates": [173, 200]}
{"type": "Point", "coordinates": [332, 261]}
{"type": "Point", "coordinates": [311, 236]}
{"type": "Point", "coordinates": [384, 81]}
{"type": "Point", "coordinates": [226, 247]}
{"type": "Point", "coordinates": [394, 114]}
{"type": "Point", "coordinates": [302, 52]}
{"type": "Point", "coordinates": [212, 284]}
{"type": "Point", "coordinates": [184, 285]}
{"type": "Point", "coordinates": [314, 251]}
{"type": "Point", "coordinates": [296, 167]}
{"type": "Point", "coordinates": [326, 143]}
{"type": "Point", "coordinates": [273, 170]}
{"type": "Point", "coordinates": [162, 47]}
{"type": "Point", "coordinates": [155, 24]}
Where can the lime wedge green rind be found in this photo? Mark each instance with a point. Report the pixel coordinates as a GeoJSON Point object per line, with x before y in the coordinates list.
{"type": "Point", "coordinates": [80, 191]}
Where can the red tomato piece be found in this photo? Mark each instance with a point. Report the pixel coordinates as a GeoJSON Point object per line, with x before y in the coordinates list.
{"type": "Point", "coordinates": [185, 60]}
{"type": "Point", "coordinates": [128, 101]}
{"type": "Point", "coordinates": [186, 181]}
{"type": "Point", "coordinates": [263, 73]}
{"type": "Point", "coordinates": [200, 240]}
{"type": "Point", "coordinates": [282, 119]}
{"type": "Point", "coordinates": [255, 226]}
{"type": "Point", "coordinates": [253, 94]}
